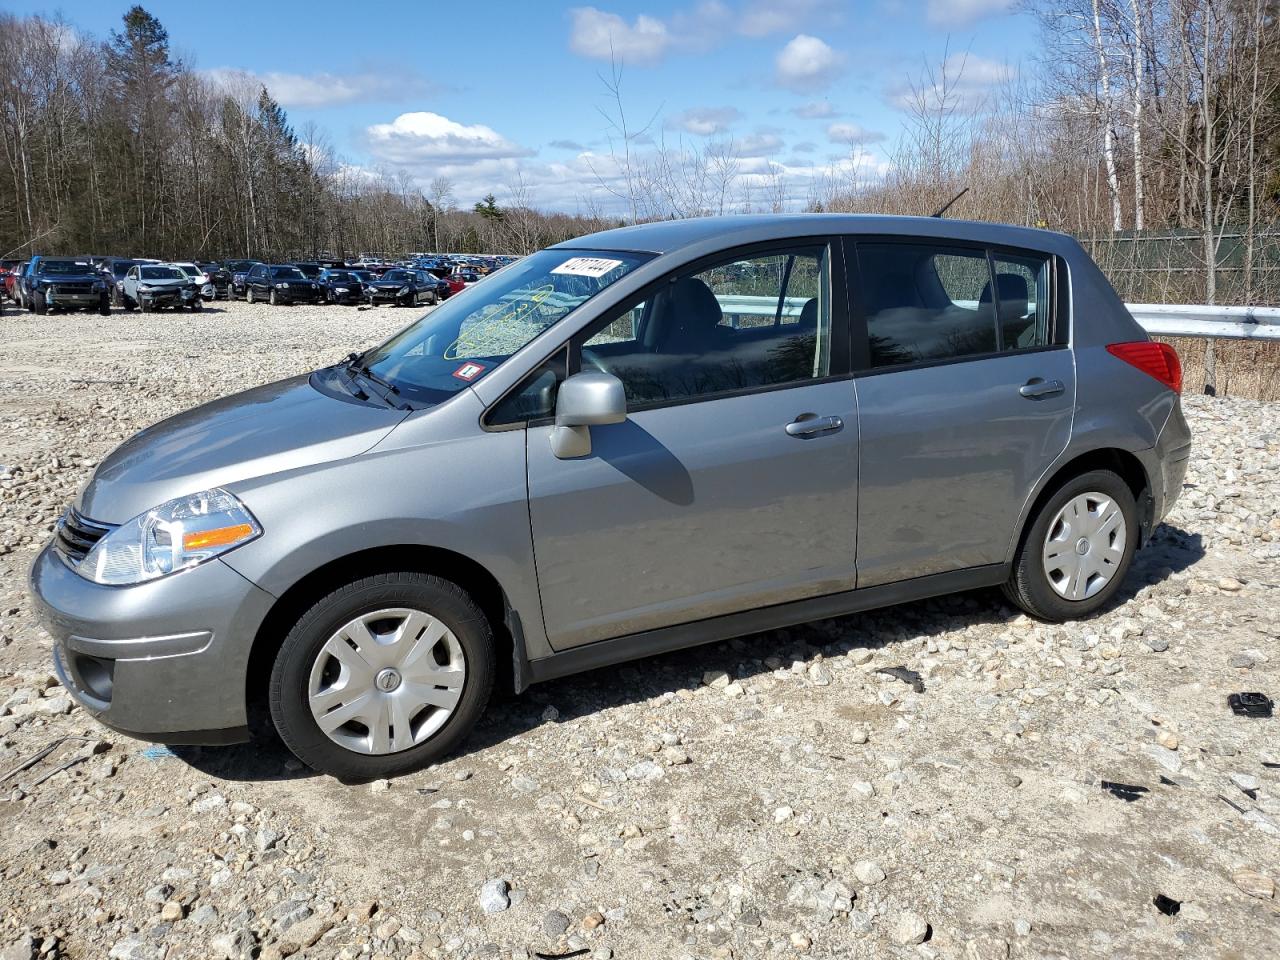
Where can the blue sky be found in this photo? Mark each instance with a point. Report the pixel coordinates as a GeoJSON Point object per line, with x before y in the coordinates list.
{"type": "Point", "coordinates": [508, 90]}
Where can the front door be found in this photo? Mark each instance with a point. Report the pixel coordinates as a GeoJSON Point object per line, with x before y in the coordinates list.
{"type": "Point", "coordinates": [733, 482]}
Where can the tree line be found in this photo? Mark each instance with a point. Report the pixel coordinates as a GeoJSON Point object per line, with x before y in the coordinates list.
{"type": "Point", "coordinates": [118, 147]}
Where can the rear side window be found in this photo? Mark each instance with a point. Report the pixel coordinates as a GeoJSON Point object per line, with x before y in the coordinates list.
{"type": "Point", "coordinates": [932, 302]}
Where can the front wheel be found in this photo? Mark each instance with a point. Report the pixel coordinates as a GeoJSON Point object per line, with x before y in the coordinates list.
{"type": "Point", "coordinates": [383, 676]}
{"type": "Point", "coordinates": [248, 294]}
{"type": "Point", "coordinates": [1078, 549]}
{"type": "Point", "coordinates": [104, 306]}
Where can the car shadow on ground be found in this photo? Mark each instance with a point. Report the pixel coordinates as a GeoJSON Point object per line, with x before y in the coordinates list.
{"type": "Point", "coordinates": [1169, 551]}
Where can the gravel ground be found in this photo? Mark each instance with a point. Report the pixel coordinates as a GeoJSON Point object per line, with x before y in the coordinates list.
{"type": "Point", "coordinates": [766, 797]}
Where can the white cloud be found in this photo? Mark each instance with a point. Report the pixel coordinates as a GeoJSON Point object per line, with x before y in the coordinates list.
{"type": "Point", "coordinates": [646, 39]}
{"type": "Point", "coordinates": [852, 133]}
{"type": "Point", "coordinates": [815, 110]}
{"type": "Point", "coordinates": [330, 89]}
{"type": "Point", "coordinates": [963, 84]}
{"type": "Point", "coordinates": [417, 140]}
{"type": "Point", "coordinates": [963, 13]}
{"type": "Point", "coordinates": [603, 36]}
{"type": "Point", "coordinates": [806, 64]}
{"type": "Point", "coordinates": [706, 121]}
{"type": "Point", "coordinates": [756, 145]}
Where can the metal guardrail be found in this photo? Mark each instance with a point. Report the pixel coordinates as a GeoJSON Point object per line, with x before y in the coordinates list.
{"type": "Point", "coordinates": [1200, 320]}
{"type": "Point", "coordinates": [1158, 319]}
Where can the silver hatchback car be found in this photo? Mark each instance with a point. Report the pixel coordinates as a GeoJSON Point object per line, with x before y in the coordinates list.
{"type": "Point", "coordinates": [636, 441]}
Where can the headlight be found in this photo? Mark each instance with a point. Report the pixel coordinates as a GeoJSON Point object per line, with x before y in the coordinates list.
{"type": "Point", "coordinates": [403, 290]}
{"type": "Point", "coordinates": [143, 288]}
{"type": "Point", "coordinates": [341, 290]}
{"type": "Point", "coordinates": [282, 286]}
{"type": "Point", "coordinates": [99, 285]}
{"type": "Point", "coordinates": [171, 537]}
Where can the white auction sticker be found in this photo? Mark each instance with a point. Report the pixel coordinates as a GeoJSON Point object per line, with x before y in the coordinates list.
{"type": "Point", "coordinates": [587, 266]}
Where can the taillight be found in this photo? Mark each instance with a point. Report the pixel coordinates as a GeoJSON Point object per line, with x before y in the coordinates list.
{"type": "Point", "coordinates": [1158, 360]}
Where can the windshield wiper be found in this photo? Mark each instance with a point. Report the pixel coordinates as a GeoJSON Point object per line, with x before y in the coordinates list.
{"type": "Point", "coordinates": [356, 366]}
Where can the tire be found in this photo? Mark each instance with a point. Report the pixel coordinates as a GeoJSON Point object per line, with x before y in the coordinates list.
{"type": "Point", "coordinates": [1031, 585]}
{"type": "Point", "coordinates": [271, 297]}
{"type": "Point", "coordinates": [104, 307]}
{"type": "Point", "coordinates": [306, 651]}
{"type": "Point", "coordinates": [248, 293]}
{"type": "Point", "coordinates": [196, 306]}
{"type": "Point", "coordinates": [38, 305]}
{"type": "Point", "coordinates": [145, 305]}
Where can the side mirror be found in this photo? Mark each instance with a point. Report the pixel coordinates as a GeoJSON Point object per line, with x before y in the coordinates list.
{"type": "Point", "coordinates": [585, 400]}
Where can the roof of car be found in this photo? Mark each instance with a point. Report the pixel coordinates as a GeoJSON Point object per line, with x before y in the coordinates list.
{"type": "Point", "coordinates": [667, 236]}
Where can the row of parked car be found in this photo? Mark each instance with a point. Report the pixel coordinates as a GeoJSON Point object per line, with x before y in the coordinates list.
{"type": "Point", "coordinates": [51, 284]}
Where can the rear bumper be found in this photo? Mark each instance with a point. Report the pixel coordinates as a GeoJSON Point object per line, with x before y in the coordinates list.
{"type": "Point", "coordinates": [1172, 455]}
{"type": "Point", "coordinates": [165, 660]}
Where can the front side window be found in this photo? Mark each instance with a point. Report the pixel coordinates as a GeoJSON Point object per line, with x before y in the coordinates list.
{"type": "Point", "coordinates": [747, 323]}
{"type": "Point", "coordinates": [469, 335]}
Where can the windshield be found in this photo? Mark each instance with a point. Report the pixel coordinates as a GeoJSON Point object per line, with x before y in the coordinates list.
{"type": "Point", "coordinates": [121, 267]}
{"type": "Point", "coordinates": [241, 266]}
{"type": "Point", "coordinates": [188, 269]}
{"type": "Point", "coordinates": [64, 268]}
{"type": "Point", "coordinates": [161, 273]}
{"type": "Point", "coordinates": [287, 273]}
{"type": "Point", "coordinates": [469, 335]}
{"type": "Point", "coordinates": [310, 270]}
{"type": "Point", "coordinates": [364, 276]}
{"type": "Point", "coordinates": [397, 276]}
{"type": "Point", "coordinates": [341, 276]}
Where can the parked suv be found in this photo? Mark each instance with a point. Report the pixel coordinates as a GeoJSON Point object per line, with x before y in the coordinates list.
{"type": "Point", "coordinates": [281, 284]}
{"type": "Point", "coordinates": [632, 442]}
{"type": "Point", "coordinates": [55, 283]}
{"type": "Point", "coordinates": [152, 286]}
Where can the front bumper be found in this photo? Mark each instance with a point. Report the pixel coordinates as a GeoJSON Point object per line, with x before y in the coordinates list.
{"type": "Point", "coordinates": [299, 296]}
{"type": "Point", "coordinates": [77, 301]}
{"type": "Point", "coordinates": [178, 298]}
{"type": "Point", "coordinates": [389, 296]}
{"type": "Point", "coordinates": [165, 660]}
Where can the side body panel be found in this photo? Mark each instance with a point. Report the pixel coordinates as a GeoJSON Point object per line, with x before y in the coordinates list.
{"type": "Point", "coordinates": [462, 490]}
{"type": "Point", "coordinates": [693, 511]}
{"type": "Point", "coordinates": [947, 451]}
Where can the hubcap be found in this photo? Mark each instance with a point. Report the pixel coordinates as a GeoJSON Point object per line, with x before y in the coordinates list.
{"type": "Point", "coordinates": [1084, 546]}
{"type": "Point", "coordinates": [386, 681]}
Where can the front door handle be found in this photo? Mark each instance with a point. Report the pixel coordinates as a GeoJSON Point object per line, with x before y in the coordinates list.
{"type": "Point", "coordinates": [1035, 388]}
{"type": "Point", "coordinates": [810, 425]}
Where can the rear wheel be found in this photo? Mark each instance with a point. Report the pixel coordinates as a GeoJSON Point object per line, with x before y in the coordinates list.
{"type": "Point", "coordinates": [1078, 549]}
{"type": "Point", "coordinates": [271, 297]}
{"type": "Point", "coordinates": [383, 676]}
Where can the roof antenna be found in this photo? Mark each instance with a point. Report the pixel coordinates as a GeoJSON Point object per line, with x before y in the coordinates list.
{"type": "Point", "coordinates": [947, 206]}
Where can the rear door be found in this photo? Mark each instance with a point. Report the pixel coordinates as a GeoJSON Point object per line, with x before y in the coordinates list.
{"type": "Point", "coordinates": [733, 482]}
{"type": "Point", "coordinates": [966, 392]}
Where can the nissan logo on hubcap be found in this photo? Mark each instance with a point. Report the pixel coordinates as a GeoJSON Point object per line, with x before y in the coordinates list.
{"type": "Point", "coordinates": [387, 680]}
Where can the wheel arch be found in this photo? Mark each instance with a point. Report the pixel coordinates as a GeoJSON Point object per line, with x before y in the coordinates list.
{"type": "Point", "coordinates": [483, 587]}
{"type": "Point", "coordinates": [1125, 463]}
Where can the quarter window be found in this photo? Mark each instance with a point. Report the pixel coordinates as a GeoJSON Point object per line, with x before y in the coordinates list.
{"type": "Point", "coordinates": [1023, 291]}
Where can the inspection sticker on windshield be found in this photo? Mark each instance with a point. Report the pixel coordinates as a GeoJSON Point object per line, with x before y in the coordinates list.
{"type": "Point", "coordinates": [469, 371]}
{"type": "Point", "coordinates": [587, 266]}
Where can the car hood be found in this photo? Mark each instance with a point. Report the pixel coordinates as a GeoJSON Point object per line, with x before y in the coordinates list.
{"type": "Point", "coordinates": [273, 428]}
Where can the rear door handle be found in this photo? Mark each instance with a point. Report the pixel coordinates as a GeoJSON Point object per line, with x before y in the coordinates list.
{"type": "Point", "coordinates": [809, 425]}
{"type": "Point", "coordinates": [1035, 388]}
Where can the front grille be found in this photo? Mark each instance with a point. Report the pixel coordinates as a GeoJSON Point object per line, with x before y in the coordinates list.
{"type": "Point", "coordinates": [76, 535]}
{"type": "Point", "coordinates": [73, 287]}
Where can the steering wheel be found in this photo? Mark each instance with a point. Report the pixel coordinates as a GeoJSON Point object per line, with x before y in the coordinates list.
{"type": "Point", "coordinates": [589, 358]}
